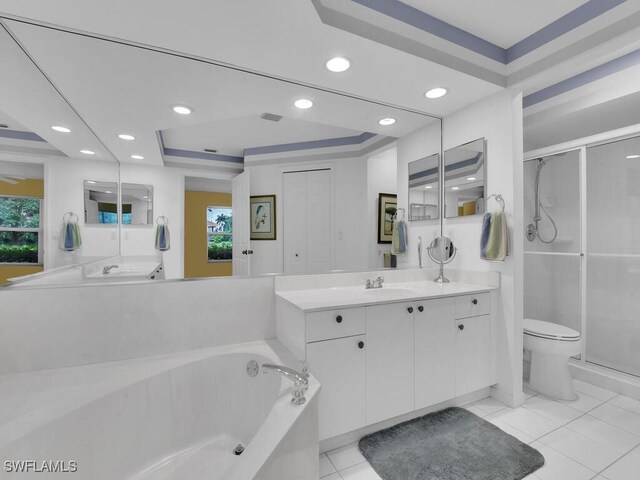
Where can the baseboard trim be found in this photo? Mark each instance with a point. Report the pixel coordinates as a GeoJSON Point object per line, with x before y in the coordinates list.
{"type": "Point", "coordinates": [350, 437]}
{"type": "Point", "coordinates": [507, 398]}
{"type": "Point", "coordinates": [602, 377]}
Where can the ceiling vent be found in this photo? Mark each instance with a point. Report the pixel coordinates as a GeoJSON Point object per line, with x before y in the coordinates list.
{"type": "Point", "coordinates": [210, 150]}
{"type": "Point", "coordinates": [3, 125]}
{"type": "Point", "coordinates": [272, 117]}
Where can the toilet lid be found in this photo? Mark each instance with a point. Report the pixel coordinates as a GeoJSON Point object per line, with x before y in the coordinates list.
{"type": "Point", "coordinates": [538, 328]}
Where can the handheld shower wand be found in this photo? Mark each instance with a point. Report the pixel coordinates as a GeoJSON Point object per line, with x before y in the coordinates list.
{"type": "Point", "coordinates": [533, 229]}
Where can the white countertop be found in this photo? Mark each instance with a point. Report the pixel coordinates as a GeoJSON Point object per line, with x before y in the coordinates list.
{"type": "Point", "coordinates": [341, 297]}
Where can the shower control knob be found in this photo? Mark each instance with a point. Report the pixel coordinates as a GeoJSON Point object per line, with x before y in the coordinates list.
{"type": "Point", "coordinates": [461, 327]}
{"type": "Point", "coordinates": [420, 308]}
{"type": "Point", "coordinates": [410, 309]}
{"type": "Point", "coordinates": [339, 319]}
{"type": "Point", "coordinates": [474, 301]}
{"type": "Point", "coordinates": [360, 344]}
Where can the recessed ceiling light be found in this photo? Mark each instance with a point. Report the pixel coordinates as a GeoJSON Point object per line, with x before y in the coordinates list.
{"type": "Point", "coordinates": [471, 179]}
{"type": "Point", "coordinates": [126, 136]}
{"type": "Point", "coordinates": [108, 191]}
{"type": "Point", "coordinates": [436, 92]}
{"type": "Point", "coordinates": [633, 156]}
{"type": "Point", "coordinates": [145, 196]}
{"type": "Point", "coordinates": [137, 157]}
{"type": "Point", "coordinates": [455, 188]}
{"type": "Point", "coordinates": [91, 182]}
{"type": "Point", "coordinates": [88, 152]}
{"type": "Point", "coordinates": [60, 129]}
{"type": "Point", "coordinates": [182, 109]}
{"type": "Point", "coordinates": [303, 103]}
{"type": "Point", "coordinates": [338, 64]}
{"type": "Point", "coordinates": [428, 186]}
{"type": "Point", "coordinates": [387, 121]}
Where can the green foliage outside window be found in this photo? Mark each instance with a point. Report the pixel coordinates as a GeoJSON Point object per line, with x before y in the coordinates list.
{"type": "Point", "coordinates": [17, 214]}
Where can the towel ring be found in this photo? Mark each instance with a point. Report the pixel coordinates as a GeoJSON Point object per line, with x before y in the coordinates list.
{"type": "Point", "coordinates": [165, 220]}
{"type": "Point", "coordinates": [395, 215]}
{"type": "Point", "coordinates": [498, 198]}
{"type": "Point", "coordinates": [69, 218]}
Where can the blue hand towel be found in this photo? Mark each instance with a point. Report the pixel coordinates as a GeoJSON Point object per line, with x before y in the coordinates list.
{"type": "Point", "coordinates": [163, 242]}
{"type": "Point", "coordinates": [399, 241]}
{"type": "Point", "coordinates": [68, 237]}
{"type": "Point", "coordinates": [484, 235]}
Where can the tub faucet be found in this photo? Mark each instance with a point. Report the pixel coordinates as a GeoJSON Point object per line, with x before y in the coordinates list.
{"type": "Point", "coordinates": [300, 380]}
{"type": "Point", "coordinates": [106, 270]}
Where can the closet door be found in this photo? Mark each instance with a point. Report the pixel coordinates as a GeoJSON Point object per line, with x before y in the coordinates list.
{"type": "Point", "coordinates": [319, 221]}
{"type": "Point", "coordinates": [294, 204]}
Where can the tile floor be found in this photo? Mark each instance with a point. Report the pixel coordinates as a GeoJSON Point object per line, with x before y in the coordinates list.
{"type": "Point", "coordinates": [596, 437]}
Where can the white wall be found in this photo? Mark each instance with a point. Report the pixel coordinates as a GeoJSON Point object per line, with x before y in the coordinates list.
{"type": "Point", "coordinates": [349, 203]}
{"type": "Point", "coordinates": [64, 192]}
{"type": "Point", "coordinates": [168, 200]}
{"type": "Point", "coordinates": [382, 177]}
{"type": "Point", "coordinates": [45, 328]}
{"type": "Point", "coordinates": [499, 120]}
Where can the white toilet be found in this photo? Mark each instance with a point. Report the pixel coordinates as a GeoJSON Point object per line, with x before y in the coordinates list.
{"type": "Point", "coordinates": [551, 345]}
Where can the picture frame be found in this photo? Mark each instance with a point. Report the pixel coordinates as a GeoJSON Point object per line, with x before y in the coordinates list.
{"type": "Point", "coordinates": [387, 206]}
{"type": "Point", "coordinates": [262, 217]}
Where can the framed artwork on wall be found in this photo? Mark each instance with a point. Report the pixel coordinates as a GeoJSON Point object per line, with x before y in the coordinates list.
{"type": "Point", "coordinates": [263, 217]}
{"type": "Point", "coordinates": [387, 206]}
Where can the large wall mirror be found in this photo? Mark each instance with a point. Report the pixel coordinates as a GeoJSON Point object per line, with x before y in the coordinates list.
{"type": "Point", "coordinates": [465, 168]}
{"type": "Point", "coordinates": [328, 162]}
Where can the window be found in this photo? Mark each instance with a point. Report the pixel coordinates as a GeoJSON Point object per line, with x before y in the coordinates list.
{"type": "Point", "coordinates": [107, 213]}
{"type": "Point", "coordinates": [20, 230]}
{"type": "Point", "coordinates": [219, 234]}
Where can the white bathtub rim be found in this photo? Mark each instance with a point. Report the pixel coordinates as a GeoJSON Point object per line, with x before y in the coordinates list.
{"type": "Point", "coordinates": [18, 417]}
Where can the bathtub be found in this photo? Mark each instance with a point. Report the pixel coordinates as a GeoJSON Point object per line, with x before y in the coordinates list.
{"type": "Point", "coordinates": [170, 417]}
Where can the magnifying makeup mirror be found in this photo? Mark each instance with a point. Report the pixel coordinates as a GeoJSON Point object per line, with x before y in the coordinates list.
{"type": "Point", "coordinates": [441, 251]}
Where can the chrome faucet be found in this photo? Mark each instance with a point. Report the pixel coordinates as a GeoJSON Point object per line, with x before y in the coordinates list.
{"type": "Point", "coordinates": [300, 380]}
{"type": "Point", "coordinates": [377, 283]}
{"type": "Point", "coordinates": [107, 270]}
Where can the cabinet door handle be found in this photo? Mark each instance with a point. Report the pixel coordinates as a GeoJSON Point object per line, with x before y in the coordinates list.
{"type": "Point", "coordinates": [474, 301]}
{"type": "Point", "coordinates": [410, 309]}
{"type": "Point", "coordinates": [339, 319]}
{"type": "Point", "coordinates": [420, 308]}
{"type": "Point", "coordinates": [461, 326]}
{"type": "Point", "coordinates": [360, 344]}
{"type": "Point", "coordinates": [244, 252]}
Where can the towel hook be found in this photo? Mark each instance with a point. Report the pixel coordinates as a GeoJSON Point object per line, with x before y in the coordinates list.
{"type": "Point", "coordinates": [70, 217]}
{"type": "Point", "coordinates": [498, 198]}
{"type": "Point", "coordinates": [163, 219]}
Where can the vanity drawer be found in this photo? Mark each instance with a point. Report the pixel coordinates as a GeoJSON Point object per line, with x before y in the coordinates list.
{"type": "Point", "coordinates": [473, 305]}
{"type": "Point", "coordinates": [329, 324]}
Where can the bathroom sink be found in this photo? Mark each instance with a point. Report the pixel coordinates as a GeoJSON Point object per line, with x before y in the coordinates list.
{"type": "Point", "coordinates": [394, 289]}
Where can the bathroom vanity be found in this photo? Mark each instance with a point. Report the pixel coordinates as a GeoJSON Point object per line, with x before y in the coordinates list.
{"type": "Point", "coordinates": [381, 353]}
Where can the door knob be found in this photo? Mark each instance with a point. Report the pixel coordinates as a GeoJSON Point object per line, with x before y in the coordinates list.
{"type": "Point", "coordinates": [461, 327]}
{"type": "Point", "coordinates": [420, 308]}
{"type": "Point", "coordinates": [410, 309]}
{"type": "Point", "coordinates": [360, 344]}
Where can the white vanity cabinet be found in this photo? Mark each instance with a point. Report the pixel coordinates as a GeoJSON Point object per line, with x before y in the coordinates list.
{"type": "Point", "coordinates": [389, 361]}
{"type": "Point", "coordinates": [384, 358]}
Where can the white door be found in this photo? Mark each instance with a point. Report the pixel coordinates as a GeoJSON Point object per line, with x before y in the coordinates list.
{"type": "Point", "coordinates": [294, 204]}
{"type": "Point", "coordinates": [240, 190]}
{"type": "Point", "coordinates": [389, 363]}
{"type": "Point", "coordinates": [434, 352]}
{"type": "Point", "coordinates": [307, 203]}
{"type": "Point", "coordinates": [339, 367]}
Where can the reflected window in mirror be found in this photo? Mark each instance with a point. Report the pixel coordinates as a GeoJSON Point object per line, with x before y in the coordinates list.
{"type": "Point", "coordinates": [464, 179]}
{"type": "Point", "coordinates": [137, 204]}
{"type": "Point", "coordinates": [424, 191]}
{"type": "Point", "coordinates": [20, 230]}
{"type": "Point", "coordinates": [100, 203]}
{"type": "Point", "coordinates": [219, 234]}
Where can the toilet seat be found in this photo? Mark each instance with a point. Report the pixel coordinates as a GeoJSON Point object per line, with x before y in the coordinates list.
{"type": "Point", "coordinates": [548, 330]}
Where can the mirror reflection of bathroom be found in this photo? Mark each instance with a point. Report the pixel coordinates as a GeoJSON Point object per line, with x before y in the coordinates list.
{"type": "Point", "coordinates": [464, 179]}
{"type": "Point", "coordinates": [424, 188]}
{"type": "Point", "coordinates": [100, 203]}
{"type": "Point", "coordinates": [137, 204]}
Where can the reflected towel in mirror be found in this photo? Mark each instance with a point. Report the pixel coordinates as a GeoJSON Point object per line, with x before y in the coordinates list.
{"type": "Point", "coordinates": [163, 242]}
{"type": "Point", "coordinates": [70, 239]}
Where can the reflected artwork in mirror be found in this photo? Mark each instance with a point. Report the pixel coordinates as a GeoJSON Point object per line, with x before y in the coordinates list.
{"type": "Point", "coordinates": [100, 203]}
{"type": "Point", "coordinates": [137, 204]}
{"type": "Point", "coordinates": [424, 191]}
{"type": "Point", "coordinates": [464, 179]}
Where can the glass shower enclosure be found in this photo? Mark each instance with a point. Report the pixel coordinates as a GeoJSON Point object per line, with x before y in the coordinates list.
{"type": "Point", "coordinates": [582, 248]}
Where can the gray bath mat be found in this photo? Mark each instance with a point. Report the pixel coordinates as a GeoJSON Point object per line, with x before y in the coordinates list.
{"type": "Point", "coordinates": [453, 444]}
